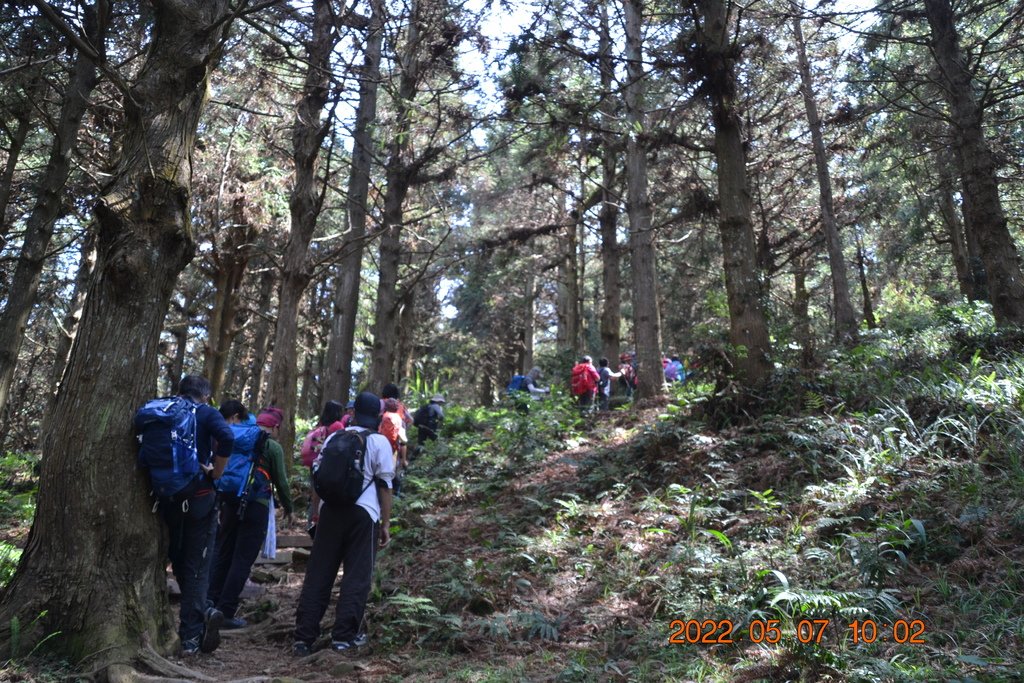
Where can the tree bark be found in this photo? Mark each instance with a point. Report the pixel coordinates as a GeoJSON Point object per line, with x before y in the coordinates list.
{"type": "Point", "coordinates": [846, 319]}
{"type": "Point", "coordinates": [86, 266]}
{"type": "Point", "coordinates": [308, 133]}
{"type": "Point", "coordinates": [569, 294]}
{"type": "Point", "coordinates": [801, 315]}
{"type": "Point", "coordinates": [646, 316]}
{"type": "Point", "coordinates": [94, 562]}
{"type": "Point", "coordinates": [230, 260]}
{"type": "Point", "coordinates": [611, 277]}
{"type": "Point", "coordinates": [262, 345]}
{"type": "Point", "coordinates": [341, 347]}
{"type": "Point", "coordinates": [748, 329]}
{"type": "Point", "coordinates": [398, 176]}
{"type": "Point", "coordinates": [865, 291]}
{"type": "Point", "coordinates": [983, 209]}
{"type": "Point", "coordinates": [18, 137]}
{"type": "Point", "coordinates": [49, 202]}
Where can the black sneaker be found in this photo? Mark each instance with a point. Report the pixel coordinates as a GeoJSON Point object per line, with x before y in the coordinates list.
{"type": "Point", "coordinates": [190, 647]}
{"type": "Point", "coordinates": [213, 619]}
{"type": "Point", "coordinates": [361, 640]}
{"type": "Point", "coordinates": [343, 646]}
{"type": "Point", "coordinates": [301, 649]}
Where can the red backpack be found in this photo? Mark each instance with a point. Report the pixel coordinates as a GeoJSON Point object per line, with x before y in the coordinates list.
{"type": "Point", "coordinates": [583, 380]}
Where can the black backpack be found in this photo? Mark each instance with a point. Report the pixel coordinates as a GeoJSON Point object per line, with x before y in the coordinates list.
{"type": "Point", "coordinates": [338, 479]}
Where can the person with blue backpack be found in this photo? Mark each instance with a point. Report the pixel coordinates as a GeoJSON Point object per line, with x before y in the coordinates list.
{"type": "Point", "coordinates": [184, 445]}
{"type": "Point", "coordinates": [255, 470]}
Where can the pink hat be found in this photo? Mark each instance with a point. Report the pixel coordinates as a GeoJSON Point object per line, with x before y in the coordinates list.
{"type": "Point", "coordinates": [270, 417]}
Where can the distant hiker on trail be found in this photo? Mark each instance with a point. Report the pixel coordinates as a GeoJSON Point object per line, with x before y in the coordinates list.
{"type": "Point", "coordinates": [331, 420]}
{"type": "Point", "coordinates": [428, 420]}
{"type": "Point", "coordinates": [393, 429]}
{"type": "Point", "coordinates": [392, 391]}
{"type": "Point", "coordinates": [350, 412]}
{"type": "Point", "coordinates": [177, 436]}
{"type": "Point", "coordinates": [584, 383]}
{"type": "Point", "coordinates": [353, 476]}
{"type": "Point", "coordinates": [627, 372]}
{"type": "Point", "coordinates": [532, 386]}
{"type": "Point", "coordinates": [523, 387]}
{"type": "Point", "coordinates": [255, 470]}
{"type": "Point", "coordinates": [604, 382]}
{"type": "Point", "coordinates": [674, 371]}
{"type": "Point", "coordinates": [314, 441]}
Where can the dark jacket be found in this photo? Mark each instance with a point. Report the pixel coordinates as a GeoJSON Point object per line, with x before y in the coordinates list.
{"type": "Point", "coordinates": [211, 428]}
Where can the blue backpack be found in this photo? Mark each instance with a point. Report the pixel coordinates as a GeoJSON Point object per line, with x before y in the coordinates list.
{"type": "Point", "coordinates": [244, 477]}
{"type": "Point", "coordinates": [166, 431]}
{"type": "Point", "coordinates": [517, 383]}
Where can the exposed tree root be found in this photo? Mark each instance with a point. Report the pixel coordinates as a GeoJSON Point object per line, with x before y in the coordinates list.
{"type": "Point", "coordinates": [150, 667]}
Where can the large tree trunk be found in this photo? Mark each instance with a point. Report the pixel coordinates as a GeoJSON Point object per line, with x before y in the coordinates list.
{"type": "Point", "coordinates": [341, 347]}
{"type": "Point", "coordinates": [611, 312]}
{"type": "Point", "coordinates": [846, 319]}
{"type": "Point", "coordinates": [569, 294]}
{"type": "Point", "coordinates": [646, 316]}
{"type": "Point", "coordinates": [49, 202]}
{"type": "Point", "coordinates": [983, 209]}
{"type": "Point", "coordinates": [94, 564]}
{"type": "Point", "coordinates": [970, 271]}
{"type": "Point", "coordinates": [386, 309]}
{"type": "Point", "coordinates": [230, 260]}
{"type": "Point", "coordinates": [399, 170]}
{"type": "Point", "coordinates": [748, 329]}
{"type": "Point", "coordinates": [308, 133]}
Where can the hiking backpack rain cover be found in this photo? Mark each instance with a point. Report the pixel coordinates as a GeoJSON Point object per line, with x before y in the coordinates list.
{"type": "Point", "coordinates": [166, 431]}
{"type": "Point", "coordinates": [582, 381]}
{"type": "Point", "coordinates": [243, 477]}
{"type": "Point", "coordinates": [338, 479]}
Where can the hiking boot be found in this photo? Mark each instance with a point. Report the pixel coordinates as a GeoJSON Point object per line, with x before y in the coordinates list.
{"type": "Point", "coordinates": [301, 649]}
{"type": "Point", "coordinates": [213, 619]}
{"type": "Point", "coordinates": [346, 646]}
{"type": "Point", "coordinates": [190, 647]}
{"type": "Point", "coordinates": [234, 622]}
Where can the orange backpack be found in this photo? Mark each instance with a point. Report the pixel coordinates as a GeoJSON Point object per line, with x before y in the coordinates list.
{"type": "Point", "coordinates": [583, 380]}
{"type": "Point", "coordinates": [391, 428]}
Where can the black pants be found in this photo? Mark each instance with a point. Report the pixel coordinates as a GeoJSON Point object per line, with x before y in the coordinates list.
{"type": "Point", "coordinates": [239, 542]}
{"type": "Point", "coordinates": [346, 536]}
{"type": "Point", "coordinates": [193, 527]}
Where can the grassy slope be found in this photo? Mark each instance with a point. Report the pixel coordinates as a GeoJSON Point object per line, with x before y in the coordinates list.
{"type": "Point", "coordinates": [887, 488]}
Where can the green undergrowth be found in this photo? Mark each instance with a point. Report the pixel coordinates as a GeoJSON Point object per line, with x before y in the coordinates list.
{"type": "Point", "coordinates": [885, 489]}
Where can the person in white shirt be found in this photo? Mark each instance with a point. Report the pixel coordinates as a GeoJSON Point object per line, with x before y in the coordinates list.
{"type": "Point", "coordinates": [348, 535]}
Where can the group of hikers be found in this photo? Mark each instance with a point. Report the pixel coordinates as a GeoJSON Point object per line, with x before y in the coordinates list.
{"type": "Point", "coordinates": [592, 386]}
{"type": "Point", "coordinates": [214, 473]}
